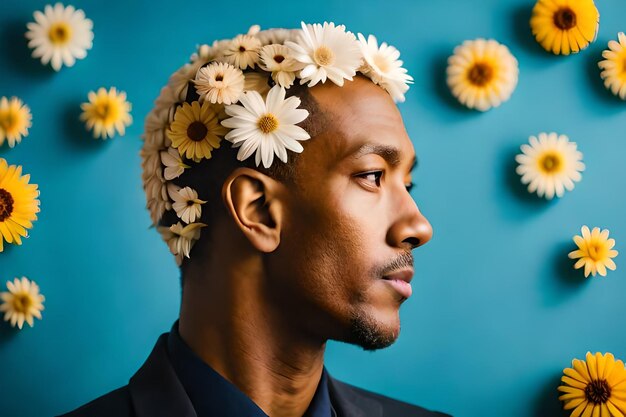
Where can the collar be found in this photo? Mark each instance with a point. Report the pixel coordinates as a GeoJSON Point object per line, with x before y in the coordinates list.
{"type": "Point", "coordinates": [156, 390]}
{"type": "Point", "coordinates": [211, 394]}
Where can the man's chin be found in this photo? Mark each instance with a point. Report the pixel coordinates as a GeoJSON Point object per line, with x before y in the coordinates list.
{"type": "Point", "coordinates": [371, 332]}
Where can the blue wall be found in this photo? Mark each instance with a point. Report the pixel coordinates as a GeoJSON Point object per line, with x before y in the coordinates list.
{"type": "Point", "coordinates": [497, 312]}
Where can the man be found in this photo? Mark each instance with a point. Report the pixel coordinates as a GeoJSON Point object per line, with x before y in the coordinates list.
{"type": "Point", "coordinates": [289, 257]}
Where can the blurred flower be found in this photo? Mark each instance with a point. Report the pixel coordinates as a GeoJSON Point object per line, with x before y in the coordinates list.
{"type": "Point", "coordinates": [614, 66]}
{"type": "Point", "coordinates": [595, 387]}
{"type": "Point", "coordinates": [564, 26]}
{"type": "Point", "coordinates": [482, 74]}
{"type": "Point", "coordinates": [266, 127]}
{"type": "Point", "coordinates": [550, 165]}
{"type": "Point", "coordinates": [327, 51]}
{"type": "Point", "coordinates": [106, 112]}
{"type": "Point", "coordinates": [257, 81]}
{"type": "Point", "coordinates": [60, 35]}
{"type": "Point", "coordinates": [595, 251]}
{"type": "Point", "coordinates": [383, 66]}
{"type": "Point", "coordinates": [22, 302]}
{"type": "Point", "coordinates": [196, 130]}
{"type": "Point", "coordinates": [15, 119]}
{"type": "Point", "coordinates": [18, 204]}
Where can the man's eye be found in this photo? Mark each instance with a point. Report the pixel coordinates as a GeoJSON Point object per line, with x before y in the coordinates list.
{"type": "Point", "coordinates": [373, 176]}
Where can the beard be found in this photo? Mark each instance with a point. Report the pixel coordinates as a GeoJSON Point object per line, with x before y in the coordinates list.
{"type": "Point", "coordinates": [370, 335]}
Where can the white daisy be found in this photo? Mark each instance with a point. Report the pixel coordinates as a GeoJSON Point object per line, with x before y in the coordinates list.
{"type": "Point", "coordinates": [267, 127]}
{"type": "Point", "coordinates": [174, 165]}
{"type": "Point", "coordinates": [60, 35]}
{"type": "Point", "coordinates": [550, 165]}
{"type": "Point", "coordinates": [383, 66]}
{"type": "Point", "coordinates": [327, 51]}
{"type": "Point", "coordinates": [219, 83]}
{"type": "Point", "coordinates": [180, 239]}
{"type": "Point", "coordinates": [613, 66]}
{"type": "Point", "coordinates": [243, 51]}
{"type": "Point", "coordinates": [277, 59]}
{"type": "Point", "coordinates": [257, 81]}
{"type": "Point", "coordinates": [187, 205]}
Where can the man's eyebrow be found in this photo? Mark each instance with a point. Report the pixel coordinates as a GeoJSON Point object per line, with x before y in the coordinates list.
{"type": "Point", "coordinates": [390, 154]}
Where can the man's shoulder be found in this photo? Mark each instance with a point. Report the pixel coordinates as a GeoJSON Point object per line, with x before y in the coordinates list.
{"type": "Point", "coordinates": [116, 403]}
{"type": "Point", "coordinates": [390, 406]}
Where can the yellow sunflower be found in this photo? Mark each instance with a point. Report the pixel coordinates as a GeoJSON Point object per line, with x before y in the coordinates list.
{"type": "Point", "coordinates": [614, 66]}
{"type": "Point", "coordinates": [196, 130]}
{"type": "Point", "coordinates": [594, 252]}
{"type": "Point", "coordinates": [595, 387]}
{"type": "Point", "coordinates": [564, 26]}
{"type": "Point", "coordinates": [106, 112]}
{"type": "Point", "coordinates": [18, 204]}
{"type": "Point", "coordinates": [22, 302]}
{"type": "Point", "coordinates": [482, 74]}
{"type": "Point", "coordinates": [15, 119]}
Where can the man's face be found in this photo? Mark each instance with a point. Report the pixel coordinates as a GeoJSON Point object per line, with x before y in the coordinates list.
{"type": "Point", "coordinates": [350, 223]}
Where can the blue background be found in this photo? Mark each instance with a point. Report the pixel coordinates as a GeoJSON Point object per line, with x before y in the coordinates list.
{"type": "Point", "coordinates": [497, 310]}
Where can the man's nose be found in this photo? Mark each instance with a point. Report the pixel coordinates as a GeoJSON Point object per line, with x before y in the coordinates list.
{"type": "Point", "coordinates": [411, 228]}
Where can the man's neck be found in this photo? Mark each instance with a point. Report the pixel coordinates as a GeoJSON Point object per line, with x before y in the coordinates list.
{"type": "Point", "coordinates": [244, 339]}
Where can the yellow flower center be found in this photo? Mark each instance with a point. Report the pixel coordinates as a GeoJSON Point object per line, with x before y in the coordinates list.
{"type": "Point", "coordinates": [324, 56]}
{"type": "Point", "coordinates": [6, 204]}
{"type": "Point", "coordinates": [597, 251]}
{"type": "Point", "coordinates": [598, 391]}
{"type": "Point", "coordinates": [564, 18]}
{"type": "Point", "coordinates": [22, 303]}
{"type": "Point", "coordinates": [268, 123]}
{"type": "Point", "coordinates": [197, 131]}
{"type": "Point", "coordinates": [7, 120]}
{"type": "Point", "coordinates": [279, 58]}
{"type": "Point", "coordinates": [59, 33]}
{"type": "Point", "coordinates": [551, 163]}
{"type": "Point", "coordinates": [102, 110]}
{"type": "Point", "coordinates": [480, 74]}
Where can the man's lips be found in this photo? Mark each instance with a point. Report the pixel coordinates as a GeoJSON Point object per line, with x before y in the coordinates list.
{"type": "Point", "coordinates": [401, 281]}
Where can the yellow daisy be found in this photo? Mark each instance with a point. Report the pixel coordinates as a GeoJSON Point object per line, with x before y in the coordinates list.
{"type": "Point", "coordinates": [15, 119]}
{"type": "Point", "coordinates": [106, 112]}
{"type": "Point", "coordinates": [196, 130]}
{"type": "Point", "coordinates": [614, 66]}
{"type": "Point", "coordinates": [482, 74]}
{"type": "Point", "coordinates": [22, 302]}
{"type": "Point", "coordinates": [595, 251]}
{"type": "Point", "coordinates": [18, 204]}
{"type": "Point", "coordinates": [550, 164]}
{"type": "Point", "coordinates": [564, 26]}
{"type": "Point", "coordinates": [595, 387]}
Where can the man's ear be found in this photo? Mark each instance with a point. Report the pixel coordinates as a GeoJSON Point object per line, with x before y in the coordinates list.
{"type": "Point", "coordinates": [253, 201]}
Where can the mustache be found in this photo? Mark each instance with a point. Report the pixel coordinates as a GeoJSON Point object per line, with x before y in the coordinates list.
{"type": "Point", "coordinates": [402, 261]}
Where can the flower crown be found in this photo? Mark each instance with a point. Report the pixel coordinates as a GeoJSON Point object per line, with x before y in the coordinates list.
{"type": "Point", "coordinates": [235, 89]}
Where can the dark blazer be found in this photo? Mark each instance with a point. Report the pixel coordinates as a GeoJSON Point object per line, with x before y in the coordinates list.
{"type": "Point", "coordinates": [155, 391]}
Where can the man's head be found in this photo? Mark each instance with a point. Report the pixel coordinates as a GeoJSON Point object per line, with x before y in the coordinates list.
{"type": "Point", "coordinates": [326, 234]}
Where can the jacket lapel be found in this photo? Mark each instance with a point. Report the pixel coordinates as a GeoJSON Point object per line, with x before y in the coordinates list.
{"type": "Point", "coordinates": [155, 388]}
{"type": "Point", "coordinates": [350, 403]}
